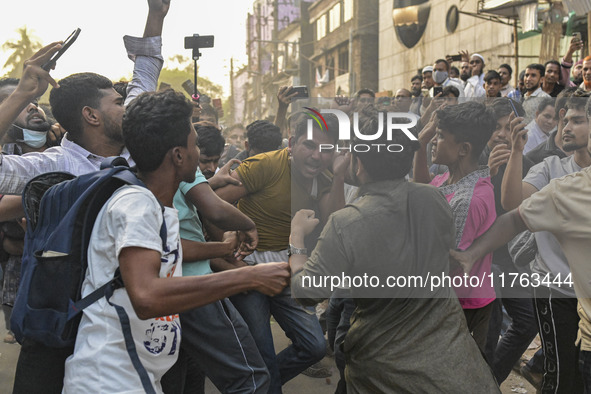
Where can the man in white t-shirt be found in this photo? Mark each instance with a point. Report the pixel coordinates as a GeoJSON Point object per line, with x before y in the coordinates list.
{"type": "Point", "coordinates": [158, 132]}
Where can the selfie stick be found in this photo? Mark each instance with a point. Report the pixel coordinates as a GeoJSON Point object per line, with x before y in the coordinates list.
{"type": "Point", "coordinates": [196, 56]}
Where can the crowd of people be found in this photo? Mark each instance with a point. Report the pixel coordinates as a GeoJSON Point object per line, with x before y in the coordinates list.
{"type": "Point", "coordinates": [495, 184]}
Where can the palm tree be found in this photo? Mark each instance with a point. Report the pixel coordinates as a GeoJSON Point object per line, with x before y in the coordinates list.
{"type": "Point", "coordinates": [22, 49]}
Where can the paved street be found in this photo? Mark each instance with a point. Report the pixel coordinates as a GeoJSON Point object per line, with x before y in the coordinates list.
{"type": "Point", "coordinates": [301, 384]}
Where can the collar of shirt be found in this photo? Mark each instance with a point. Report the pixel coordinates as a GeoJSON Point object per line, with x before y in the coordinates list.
{"type": "Point", "coordinates": [72, 146]}
{"type": "Point", "coordinates": [536, 92]}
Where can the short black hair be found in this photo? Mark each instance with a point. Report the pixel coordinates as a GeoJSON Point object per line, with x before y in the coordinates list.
{"type": "Point", "coordinates": [365, 91]}
{"type": "Point", "coordinates": [555, 62]}
{"type": "Point", "coordinates": [332, 125]}
{"type": "Point", "coordinates": [508, 67]}
{"type": "Point", "coordinates": [76, 92]}
{"type": "Point", "coordinates": [450, 90]}
{"type": "Point", "coordinates": [154, 123]}
{"type": "Point", "coordinates": [546, 101]}
{"type": "Point", "coordinates": [8, 82]}
{"type": "Point", "coordinates": [501, 107]}
{"type": "Point", "coordinates": [454, 69]}
{"type": "Point", "coordinates": [209, 139]}
{"type": "Point", "coordinates": [121, 88]}
{"type": "Point", "coordinates": [382, 165]}
{"type": "Point", "coordinates": [419, 77]}
{"type": "Point", "coordinates": [562, 98]}
{"type": "Point", "coordinates": [537, 66]}
{"type": "Point", "coordinates": [442, 61]}
{"type": "Point", "coordinates": [492, 74]}
{"type": "Point", "coordinates": [578, 103]}
{"type": "Point", "coordinates": [208, 109]}
{"type": "Point", "coordinates": [263, 136]}
{"type": "Point", "coordinates": [469, 122]}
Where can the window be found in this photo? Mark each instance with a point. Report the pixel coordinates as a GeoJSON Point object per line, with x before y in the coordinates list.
{"type": "Point", "coordinates": [321, 27]}
{"type": "Point", "coordinates": [347, 10]}
{"type": "Point", "coordinates": [330, 67]}
{"type": "Point", "coordinates": [343, 66]}
{"type": "Point", "coordinates": [334, 17]}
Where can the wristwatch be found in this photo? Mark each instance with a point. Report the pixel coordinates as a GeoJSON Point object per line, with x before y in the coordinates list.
{"type": "Point", "coordinates": [293, 250]}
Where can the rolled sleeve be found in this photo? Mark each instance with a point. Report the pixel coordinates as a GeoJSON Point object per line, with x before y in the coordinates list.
{"type": "Point", "coordinates": [540, 212]}
{"type": "Point", "coordinates": [146, 53]}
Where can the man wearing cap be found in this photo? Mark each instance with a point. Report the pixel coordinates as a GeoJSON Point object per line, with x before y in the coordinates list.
{"type": "Point", "coordinates": [474, 84]}
{"type": "Point", "coordinates": [428, 77]}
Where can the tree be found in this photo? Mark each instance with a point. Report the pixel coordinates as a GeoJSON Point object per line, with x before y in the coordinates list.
{"type": "Point", "coordinates": [22, 49]}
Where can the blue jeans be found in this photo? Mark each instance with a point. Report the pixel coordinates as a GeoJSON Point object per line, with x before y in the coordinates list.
{"type": "Point", "coordinates": [300, 325]}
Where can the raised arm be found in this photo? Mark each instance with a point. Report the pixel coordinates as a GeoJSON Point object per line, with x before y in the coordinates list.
{"type": "Point", "coordinates": [284, 97]}
{"type": "Point", "coordinates": [567, 62]}
{"type": "Point", "coordinates": [335, 198]}
{"type": "Point", "coordinates": [513, 190]}
{"type": "Point", "coordinates": [420, 169]}
{"type": "Point", "coordinates": [146, 52]}
{"type": "Point", "coordinates": [32, 85]}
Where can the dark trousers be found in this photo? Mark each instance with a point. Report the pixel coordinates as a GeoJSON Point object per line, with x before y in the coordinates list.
{"type": "Point", "coordinates": [477, 321]}
{"type": "Point", "coordinates": [40, 369]}
{"type": "Point", "coordinates": [217, 343]}
{"type": "Point", "coordinates": [558, 323]}
{"type": "Point", "coordinates": [504, 353]}
{"type": "Point", "coordinates": [585, 369]}
{"type": "Point", "coordinates": [299, 324]}
{"type": "Point", "coordinates": [338, 321]}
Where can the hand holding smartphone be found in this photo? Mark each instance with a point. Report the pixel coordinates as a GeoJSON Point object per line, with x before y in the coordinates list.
{"type": "Point", "coordinates": [67, 43]}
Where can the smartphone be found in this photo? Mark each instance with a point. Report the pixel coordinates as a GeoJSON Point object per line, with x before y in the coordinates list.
{"type": "Point", "coordinates": [302, 92]}
{"type": "Point", "coordinates": [516, 114]}
{"type": "Point", "coordinates": [164, 86]}
{"type": "Point", "coordinates": [456, 58]}
{"type": "Point", "coordinates": [437, 90]}
{"type": "Point", "coordinates": [67, 43]}
{"type": "Point", "coordinates": [577, 36]}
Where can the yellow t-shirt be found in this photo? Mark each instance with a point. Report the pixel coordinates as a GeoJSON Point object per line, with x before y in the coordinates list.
{"type": "Point", "coordinates": [272, 198]}
{"type": "Point", "coordinates": [562, 208]}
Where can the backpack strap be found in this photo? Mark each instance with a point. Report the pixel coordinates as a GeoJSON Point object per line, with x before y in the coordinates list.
{"type": "Point", "coordinates": [127, 336]}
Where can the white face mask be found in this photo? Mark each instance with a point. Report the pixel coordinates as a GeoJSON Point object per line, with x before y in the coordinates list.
{"type": "Point", "coordinates": [34, 139]}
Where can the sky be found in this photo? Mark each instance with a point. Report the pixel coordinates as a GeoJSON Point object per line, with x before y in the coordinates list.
{"type": "Point", "coordinates": [99, 47]}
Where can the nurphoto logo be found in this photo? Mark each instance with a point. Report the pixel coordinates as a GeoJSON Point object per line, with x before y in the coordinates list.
{"type": "Point", "coordinates": [392, 125]}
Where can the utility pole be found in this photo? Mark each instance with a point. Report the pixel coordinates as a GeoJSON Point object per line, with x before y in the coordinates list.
{"type": "Point", "coordinates": [232, 98]}
{"type": "Point", "coordinates": [259, 78]}
{"type": "Point", "coordinates": [249, 50]}
{"type": "Point", "coordinates": [275, 36]}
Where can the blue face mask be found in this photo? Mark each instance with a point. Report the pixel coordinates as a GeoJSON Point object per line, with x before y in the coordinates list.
{"type": "Point", "coordinates": [35, 139]}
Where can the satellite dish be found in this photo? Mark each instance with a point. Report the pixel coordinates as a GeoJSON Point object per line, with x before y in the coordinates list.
{"type": "Point", "coordinates": [452, 18]}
